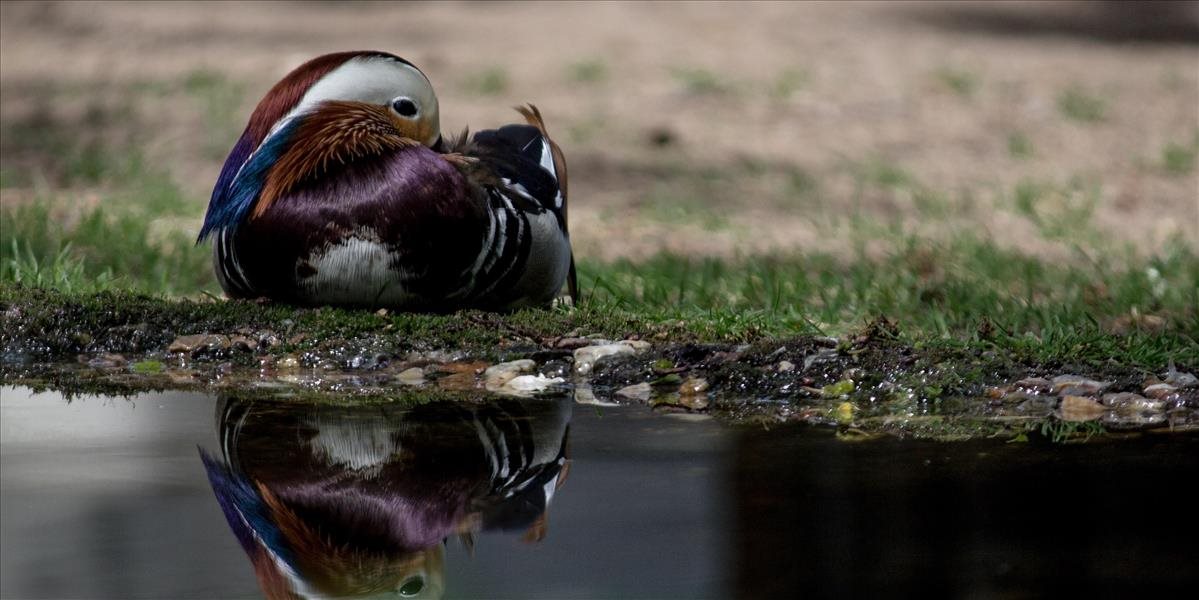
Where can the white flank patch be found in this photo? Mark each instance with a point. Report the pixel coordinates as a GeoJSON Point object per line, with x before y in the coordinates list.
{"type": "Point", "coordinates": [353, 444]}
{"type": "Point", "coordinates": [356, 271]}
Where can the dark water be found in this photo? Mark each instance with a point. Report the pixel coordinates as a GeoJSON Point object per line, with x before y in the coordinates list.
{"type": "Point", "coordinates": [112, 498]}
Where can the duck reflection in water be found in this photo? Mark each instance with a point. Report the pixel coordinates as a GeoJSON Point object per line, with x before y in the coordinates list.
{"type": "Point", "coordinates": [333, 501]}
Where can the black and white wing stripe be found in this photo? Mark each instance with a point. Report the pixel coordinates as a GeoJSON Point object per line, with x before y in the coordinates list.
{"type": "Point", "coordinates": [227, 266]}
{"type": "Point", "coordinates": [522, 160]}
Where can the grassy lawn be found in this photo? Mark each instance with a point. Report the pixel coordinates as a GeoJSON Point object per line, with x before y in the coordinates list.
{"type": "Point", "coordinates": [1107, 306]}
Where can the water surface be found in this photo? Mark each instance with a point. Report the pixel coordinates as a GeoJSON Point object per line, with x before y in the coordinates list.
{"type": "Point", "coordinates": [114, 498]}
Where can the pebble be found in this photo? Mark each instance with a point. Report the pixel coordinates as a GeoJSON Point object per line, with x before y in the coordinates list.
{"type": "Point", "coordinates": [671, 402]}
{"type": "Point", "coordinates": [243, 343]}
{"type": "Point", "coordinates": [527, 385]}
{"type": "Point", "coordinates": [287, 362]}
{"type": "Point", "coordinates": [585, 358]}
{"type": "Point", "coordinates": [497, 375]}
{"type": "Point", "coordinates": [785, 366]}
{"type": "Point", "coordinates": [1035, 384]}
{"type": "Point", "coordinates": [1075, 385]}
{"type": "Point", "coordinates": [1180, 379]}
{"type": "Point", "coordinates": [182, 376]}
{"type": "Point", "coordinates": [107, 361]}
{"type": "Point", "coordinates": [692, 386]}
{"type": "Point", "coordinates": [1037, 406]}
{"type": "Point", "coordinates": [198, 343]}
{"type": "Point", "coordinates": [693, 402]}
{"type": "Point", "coordinates": [584, 395]}
{"type": "Point", "coordinates": [1136, 419]}
{"type": "Point", "coordinates": [639, 392]}
{"type": "Point", "coordinates": [821, 356]}
{"type": "Point", "coordinates": [413, 376]}
{"type": "Point", "coordinates": [461, 375]}
{"type": "Point", "coordinates": [1132, 402]}
{"type": "Point", "coordinates": [1080, 408]}
{"type": "Point", "coordinates": [1160, 391]}
{"type": "Point", "coordinates": [572, 343]}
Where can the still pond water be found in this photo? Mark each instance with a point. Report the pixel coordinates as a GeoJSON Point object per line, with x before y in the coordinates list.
{"type": "Point", "coordinates": [178, 495]}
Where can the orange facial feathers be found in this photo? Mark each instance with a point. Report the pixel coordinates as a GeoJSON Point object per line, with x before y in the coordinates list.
{"type": "Point", "coordinates": [336, 133]}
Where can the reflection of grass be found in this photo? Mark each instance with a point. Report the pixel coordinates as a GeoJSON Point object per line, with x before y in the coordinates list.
{"type": "Point", "coordinates": [1080, 105]}
{"type": "Point", "coordinates": [1065, 431]}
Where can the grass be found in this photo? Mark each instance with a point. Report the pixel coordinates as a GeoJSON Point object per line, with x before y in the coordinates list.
{"type": "Point", "coordinates": [1061, 211]}
{"type": "Point", "coordinates": [962, 82]}
{"type": "Point", "coordinates": [789, 82]}
{"type": "Point", "coordinates": [491, 81]}
{"type": "Point", "coordinates": [588, 71]}
{"type": "Point", "coordinates": [1179, 159]}
{"type": "Point", "coordinates": [699, 81]}
{"type": "Point", "coordinates": [930, 290]}
{"type": "Point", "coordinates": [1078, 104]}
{"type": "Point", "coordinates": [219, 101]}
{"type": "Point", "coordinates": [934, 291]}
{"type": "Point", "coordinates": [1019, 146]}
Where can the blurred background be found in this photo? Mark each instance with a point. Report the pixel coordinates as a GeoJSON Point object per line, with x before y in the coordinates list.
{"type": "Point", "coordinates": [1061, 130]}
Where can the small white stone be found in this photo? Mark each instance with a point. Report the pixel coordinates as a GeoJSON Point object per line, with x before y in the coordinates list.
{"type": "Point", "coordinates": [522, 385]}
{"type": "Point", "coordinates": [639, 392]}
{"type": "Point", "coordinates": [786, 366]}
{"type": "Point", "coordinates": [586, 357]}
{"type": "Point", "coordinates": [584, 395]}
{"type": "Point", "coordinates": [1074, 385]}
{"type": "Point", "coordinates": [497, 375]}
{"type": "Point", "coordinates": [1160, 391]}
{"type": "Point", "coordinates": [413, 376]}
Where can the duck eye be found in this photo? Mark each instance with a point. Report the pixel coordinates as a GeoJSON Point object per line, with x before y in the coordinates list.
{"type": "Point", "coordinates": [412, 587]}
{"type": "Point", "coordinates": [404, 107]}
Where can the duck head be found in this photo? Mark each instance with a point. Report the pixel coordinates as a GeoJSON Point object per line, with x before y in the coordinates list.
{"type": "Point", "coordinates": [327, 112]}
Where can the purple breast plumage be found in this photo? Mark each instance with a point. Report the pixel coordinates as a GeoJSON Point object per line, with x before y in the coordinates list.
{"type": "Point", "coordinates": [343, 191]}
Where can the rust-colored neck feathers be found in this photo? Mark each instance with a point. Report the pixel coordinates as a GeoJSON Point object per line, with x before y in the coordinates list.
{"type": "Point", "coordinates": [337, 133]}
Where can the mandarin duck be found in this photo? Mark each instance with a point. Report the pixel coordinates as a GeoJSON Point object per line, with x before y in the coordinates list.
{"type": "Point", "coordinates": [343, 191]}
{"type": "Point", "coordinates": [331, 501]}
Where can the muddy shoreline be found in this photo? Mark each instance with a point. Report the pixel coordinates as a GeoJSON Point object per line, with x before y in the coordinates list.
{"type": "Point", "coordinates": [867, 383]}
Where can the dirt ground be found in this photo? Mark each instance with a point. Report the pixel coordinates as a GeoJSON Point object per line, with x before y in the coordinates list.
{"type": "Point", "coordinates": [711, 128]}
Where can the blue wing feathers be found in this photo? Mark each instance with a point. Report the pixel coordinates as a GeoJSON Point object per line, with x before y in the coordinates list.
{"type": "Point", "coordinates": [247, 514]}
{"type": "Point", "coordinates": [239, 186]}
